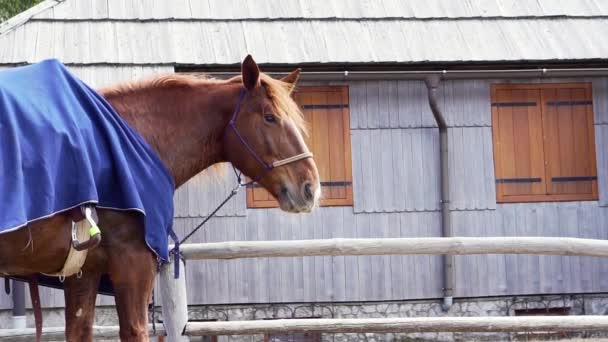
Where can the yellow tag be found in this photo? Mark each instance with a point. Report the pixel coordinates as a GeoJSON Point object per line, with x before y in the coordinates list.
{"type": "Point", "coordinates": [94, 230]}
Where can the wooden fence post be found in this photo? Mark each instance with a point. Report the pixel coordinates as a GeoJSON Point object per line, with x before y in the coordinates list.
{"type": "Point", "coordinates": [174, 301]}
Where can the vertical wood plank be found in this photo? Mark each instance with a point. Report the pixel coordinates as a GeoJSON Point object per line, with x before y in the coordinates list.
{"type": "Point", "coordinates": [373, 104]}
{"type": "Point", "coordinates": [273, 229]}
{"type": "Point", "coordinates": [588, 266]}
{"type": "Point", "coordinates": [383, 113]}
{"type": "Point", "coordinates": [351, 267]}
{"type": "Point", "coordinates": [396, 261]}
{"type": "Point", "coordinates": [298, 262]}
{"type": "Point", "coordinates": [399, 192]}
{"type": "Point", "coordinates": [285, 269]}
{"type": "Point", "coordinates": [357, 101]}
{"type": "Point", "coordinates": [335, 228]}
{"type": "Point", "coordinates": [392, 96]}
{"type": "Point", "coordinates": [601, 141]}
{"type": "Point", "coordinates": [322, 280]}
{"type": "Point", "coordinates": [414, 286]}
{"type": "Point", "coordinates": [262, 223]}
{"type": "Point", "coordinates": [364, 264]}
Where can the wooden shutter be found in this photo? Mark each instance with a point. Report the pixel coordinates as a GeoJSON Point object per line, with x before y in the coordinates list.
{"type": "Point", "coordinates": [543, 142]}
{"type": "Point", "coordinates": [569, 144]}
{"type": "Point", "coordinates": [518, 142]}
{"type": "Point", "coordinates": [326, 111]}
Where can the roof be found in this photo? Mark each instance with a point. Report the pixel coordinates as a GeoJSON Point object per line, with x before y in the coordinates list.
{"type": "Point", "coordinates": [221, 32]}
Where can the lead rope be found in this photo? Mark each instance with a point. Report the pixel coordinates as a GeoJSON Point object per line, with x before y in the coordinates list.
{"type": "Point", "coordinates": [233, 192]}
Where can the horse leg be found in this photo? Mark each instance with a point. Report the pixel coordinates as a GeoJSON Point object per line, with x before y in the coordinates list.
{"type": "Point", "coordinates": [80, 306]}
{"type": "Point", "coordinates": [132, 271]}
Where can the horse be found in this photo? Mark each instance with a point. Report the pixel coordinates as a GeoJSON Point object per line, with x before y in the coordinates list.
{"type": "Point", "coordinates": [191, 123]}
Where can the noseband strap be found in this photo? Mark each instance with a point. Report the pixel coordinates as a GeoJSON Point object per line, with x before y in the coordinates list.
{"type": "Point", "coordinates": [266, 166]}
{"type": "Point", "coordinates": [292, 159]}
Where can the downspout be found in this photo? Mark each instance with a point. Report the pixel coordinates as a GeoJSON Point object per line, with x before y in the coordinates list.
{"type": "Point", "coordinates": [18, 305]}
{"type": "Point", "coordinates": [432, 82]}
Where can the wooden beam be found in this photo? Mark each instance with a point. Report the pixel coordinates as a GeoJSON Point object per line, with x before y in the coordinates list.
{"type": "Point", "coordinates": [397, 246]}
{"type": "Point", "coordinates": [401, 325]}
{"type": "Point", "coordinates": [58, 333]}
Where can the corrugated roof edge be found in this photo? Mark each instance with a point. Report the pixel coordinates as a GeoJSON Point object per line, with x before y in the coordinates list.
{"type": "Point", "coordinates": [26, 15]}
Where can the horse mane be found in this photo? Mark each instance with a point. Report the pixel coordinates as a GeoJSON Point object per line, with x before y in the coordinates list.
{"type": "Point", "coordinates": [156, 82]}
{"type": "Point", "coordinates": [278, 91]}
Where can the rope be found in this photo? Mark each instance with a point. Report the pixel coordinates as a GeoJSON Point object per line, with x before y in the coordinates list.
{"type": "Point", "coordinates": [232, 193]}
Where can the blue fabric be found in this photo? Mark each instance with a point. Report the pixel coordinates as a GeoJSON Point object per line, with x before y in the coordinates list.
{"type": "Point", "coordinates": [62, 145]}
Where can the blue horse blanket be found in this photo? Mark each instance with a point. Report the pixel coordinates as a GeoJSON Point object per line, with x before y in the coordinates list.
{"type": "Point", "coordinates": [63, 145]}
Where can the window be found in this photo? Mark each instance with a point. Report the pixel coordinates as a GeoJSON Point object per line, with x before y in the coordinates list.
{"type": "Point", "coordinates": [295, 337]}
{"type": "Point", "coordinates": [544, 145]}
{"type": "Point", "coordinates": [326, 111]}
{"type": "Point", "coordinates": [542, 335]}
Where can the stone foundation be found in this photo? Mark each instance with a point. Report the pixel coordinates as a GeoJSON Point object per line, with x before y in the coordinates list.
{"type": "Point", "coordinates": [54, 317]}
{"type": "Point", "coordinates": [592, 304]}
{"type": "Point", "coordinates": [496, 306]}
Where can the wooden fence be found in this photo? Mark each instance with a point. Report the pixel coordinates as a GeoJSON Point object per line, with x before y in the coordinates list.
{"type": "Point", "coordinates": [175, 306]}
{"type": "Point", "coordinates": [175, 310]}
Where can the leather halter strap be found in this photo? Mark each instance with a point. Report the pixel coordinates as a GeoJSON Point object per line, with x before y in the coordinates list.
{"type": "Point", "coordinates": [267, 167]}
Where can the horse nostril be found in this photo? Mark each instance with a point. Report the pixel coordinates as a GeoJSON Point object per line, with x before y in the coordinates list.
{"type": "Point", "coordinates": [308, 194]}
{"type": "Point", "coordinates": [284, 191]}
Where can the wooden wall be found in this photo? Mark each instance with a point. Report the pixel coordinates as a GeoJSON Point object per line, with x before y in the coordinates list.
{"type": "Point", "coordinates": [396, 194]}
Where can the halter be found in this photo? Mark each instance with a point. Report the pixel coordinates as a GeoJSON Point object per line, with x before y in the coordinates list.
{"type": "Point", "coordinates": [267, 167]}
{"type": "Point", "coordinates": [240, 184]}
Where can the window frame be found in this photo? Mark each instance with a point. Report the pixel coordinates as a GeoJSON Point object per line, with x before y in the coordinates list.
{"type": "Point", "coordinates": [500, 196]}
{"type": "Point", "coordinates": [348, 200]}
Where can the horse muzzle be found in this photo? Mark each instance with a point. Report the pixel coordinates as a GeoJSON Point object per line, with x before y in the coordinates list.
{"type": "Point", "coordinates": [303, 200]}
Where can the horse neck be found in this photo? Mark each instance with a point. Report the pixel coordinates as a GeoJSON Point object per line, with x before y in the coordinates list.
{"type": "Point", "coordinates": [184, 124]}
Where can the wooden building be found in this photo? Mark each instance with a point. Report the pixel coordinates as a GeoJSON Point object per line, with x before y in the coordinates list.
{"type": "Point", "coordinates": [528, 146]}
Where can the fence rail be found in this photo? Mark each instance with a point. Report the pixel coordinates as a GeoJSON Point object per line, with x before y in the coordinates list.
{"type": "Point", "coordinates": [175, 291]}
{"type": "Point", "coordinates": [401, 325]}
{"type": "Point", "coordinates": [175, 311]}
{"type": "Point", "coordinates": [58, 333]}
{"type": "Point", "coordinates": [397, 246]}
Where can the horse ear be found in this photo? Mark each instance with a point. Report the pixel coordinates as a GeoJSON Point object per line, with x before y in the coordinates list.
{"type": "Point", "coordinates": [250, 73]}
{"type": "Point", "coordinates": [292, 78]}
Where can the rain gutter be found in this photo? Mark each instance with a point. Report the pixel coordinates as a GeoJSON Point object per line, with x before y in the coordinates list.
{"type": "Point", "coordinates": [432, 83]}
{"type": "Point", "coordinates": [444, 74]}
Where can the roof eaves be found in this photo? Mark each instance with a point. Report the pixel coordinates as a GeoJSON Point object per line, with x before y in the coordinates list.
{"type": "Point", "coordinates": [26, 15]}
{"type": "Point", "coordinates": [329, 18]}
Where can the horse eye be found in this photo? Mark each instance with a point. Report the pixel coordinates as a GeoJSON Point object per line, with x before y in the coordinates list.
{"type": "Point", "coordinates": [270, 118]}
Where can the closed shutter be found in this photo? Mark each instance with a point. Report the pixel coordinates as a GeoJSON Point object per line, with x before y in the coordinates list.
{"type": "Point", "coordinates": [326, 111]}
{"type": "Point", "coordinates": [569, 142]}
{"type": "Point", "coordinates": [517, 130]}
{"type": "Point", "coordinates": [543, 142]}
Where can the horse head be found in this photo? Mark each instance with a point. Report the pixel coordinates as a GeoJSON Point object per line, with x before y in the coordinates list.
{"type": "Point", "coordinates": [264, 139]}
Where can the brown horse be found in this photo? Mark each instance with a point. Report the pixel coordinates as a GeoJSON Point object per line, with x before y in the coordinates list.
{"type": "Point", "coordinates": [186, 120]}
